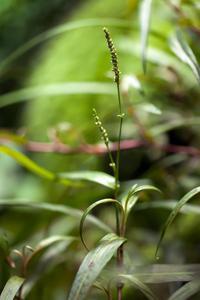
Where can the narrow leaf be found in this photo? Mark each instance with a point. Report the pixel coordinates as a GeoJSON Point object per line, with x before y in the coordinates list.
{"type": "Point", "coordinates": [30, 165]}
{"type": "Point", "coordinates": [93, 176]}
{"type": "Point", "coordinates": [186, 291]}
{"type": "Point", "coordinates": [175, 212]}
{"type": "Point", "coordinates": [93, 264]}
{"type": "Point", "coordinates": [91, 207]}
{"type": "Point", "coordinates": [186, 209]}
{"type": "Point", "coordinates": [57, 208]}
{"type": "Point", "coordinates": [70, 88]}
{"type": "Point", "coordinates": [139, 285]}
{"type": "Point", "coordinates": [145, 16]}
{"type": "Point", "coordinates": [11, 288]}
{"type": "Point", "coordinates": [59, 30]}
{"type": "Point", "coordinates": [48, 242]}
{"type": "Point", "coordinates": [181, 49]}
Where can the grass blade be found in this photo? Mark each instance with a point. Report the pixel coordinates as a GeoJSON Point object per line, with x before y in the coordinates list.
{"type": "Point", "coordinates": [186, 209]}
{"type": "Point", "coordinates": [93, 264]}
{"type": "Point", "coordinates": [91, 207]}
{"type": "Point", "coordinates": [59, 30]}
{"type": "Point", "coordinates": [70, 88]}
{"type": "Point", "coordinates": [186, 291]}
{"type": "Point", "coordinates": [139, 285]}
{"type": "Point", "coordinates": [11, 288]}
{"type": "Point", "coordinates": [93, 176]}
{"type": "Point", "coordinates": [56, 208]}
{"type": "Point", "coordinates": [181, 49]}
{"type": "Point", "coordinates": [145, 16]}
{"type": "Point", "coordinates": [175, 212]}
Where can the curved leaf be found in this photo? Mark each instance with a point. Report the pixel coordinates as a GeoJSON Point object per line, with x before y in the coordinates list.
{"type": "Point", "coordinates": [76, 213]}
{"type": "Point", "coordinates": [183, 51]}
{"type": "Point", "coordinates": [175, 212]}
{"type": "Point", "coordinates": [186, 291]}
{"type": "Point", "coordinates": [69, 88]}
{"type": "Point", "coordinates": [48, 242]}
{"type": "Point", "coordinates": [186, 209]}
{"type": "Point", "coordinates": [145, 16]}
{"type": "Point", "coordinates": [91, 207]}
{"type": "Point", "coordinates": [61, 29]}
{"type": "Point", "coordinates": [139, 285]}
{"type": "Point", "coordinates": [93, 176]}
{"type": "Point", "coordinates": [11, 288]}
{"type": "Point", "coordinates": [93, 264]}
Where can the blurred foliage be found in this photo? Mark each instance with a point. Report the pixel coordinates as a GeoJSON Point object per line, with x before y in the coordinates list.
{"type": "Point", "coordinates": [161, 106]}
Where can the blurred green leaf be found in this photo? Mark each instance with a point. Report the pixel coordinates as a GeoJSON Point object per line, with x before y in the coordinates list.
{"type": "Point", "coordinates": [183, 51]}
{"type": "Point", "coordinates": [48, 242]}
{"type": "Point", "coordinates": [76, 213]}
{"type": "Point", "coordinates": [11, 288]}
{"type": "Point", "coordinates": [91, 207]}
{"type": "Point", "coordinates": [175, 212]}
{"type": "Point", "coordinates": [59, 30]}
{"type": "Point", "coordinates": [145, 16]}
{"type": "Point", "coordinates": [186, 291]}
{"type": "Point", "coordinates": [93, 176]}
{"type": "Point", "coordinates": [67, 88]}
{"type": "Point", "coordinates": [169, 204]}
{"type": "Point", "coordinates": [139, 285]}
{"type": "Point", "coordinates": [92, 265]}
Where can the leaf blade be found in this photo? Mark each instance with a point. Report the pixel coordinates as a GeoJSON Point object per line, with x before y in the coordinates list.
{"type": "Point", "coordinates": [145, 18]}
{"type": "Point", "coordinates": [11, 288]}
{"type": "Point", "coordinates": [175, 212]}
{"type": "Point", "coordinates": [93, 264]}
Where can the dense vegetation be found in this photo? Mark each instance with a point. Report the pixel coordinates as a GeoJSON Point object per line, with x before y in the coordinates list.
{"type": "Point", "coordinates": [97, 167]}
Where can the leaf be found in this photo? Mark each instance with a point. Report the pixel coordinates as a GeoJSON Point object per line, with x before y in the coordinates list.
{"type": "Point", "coordinates": [47, 262]}
{"type": "Point", "coordinates": [187, 290]}
{"type": "Point", "coordinates": [91, 207]}
{"type": "Point", "coordinates": [59, 30]}
{"type": "Point", "coordinates": [11, 288]}
{"type": "Point", "coordinates": [93, 264]}
{"type": "Point", "coordinates": [175, 212]}
{"type": "Point", "coordinates": [93, 176]}
{"type": "Point", "coordinates": [27, 163]}
{"type": "Point", "coordinates": [186, 209]}
{"type": "Point", "coordinates": [70, 88]}
{"type": "Point", "coordinates": [48, 242]}
{"type": "Point", "coordinates": [183, 51]}
{"type": "Point", "coordinates": [145, 16]}
{"type": "Point", "coordinates": [132, 198]}
{"type": "Point", "coordinates": [139, 285]}
{"type": "Point", "coordinates": [163, 273]}
{"type": "Point", "coordinates": [67, 210]}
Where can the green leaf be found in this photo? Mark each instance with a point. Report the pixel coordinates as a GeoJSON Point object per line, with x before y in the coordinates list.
{"type": "Point", "coordinates": [186, 209]}
{"type": "Point", "coordinates": [183, 51]}
{"type": "Point", "coordinates": [145, 16]}
{"type": "Point", "coordinates": [48, 242]}
{"type": "Point", "coordinates": [93, 176]}
{"type": "Point", "coordinates": [91, 207]}
{"type": "Point", "coordinates": [69, 88]}
{"type": "Point", "coordinates": [175, 212]}
{"type": "Point", "coordinates": [11, 288]}
{"type": "Point", "coordinates": [58, 208]}
{"type": "Point", "coordinates": [93, 264]}
{"type": "Point", "coordinates": [163, 273]}
{"type": "Point", "coordinates": [132, 197]}
{"type": "Point", "coordinates": [186, 291]}
{"type": "Point", "coordinates": [139, 285]}
{"type": "Point", "coordinates": [30, 165]}
{"type": "Point", "coordinates": [47, 262]}
{"type": "Point", "coordinates": [59, 30]}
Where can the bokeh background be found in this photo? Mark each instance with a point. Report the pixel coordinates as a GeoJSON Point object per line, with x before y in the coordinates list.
{"type": "Point", "coordinates": [162, 113]}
